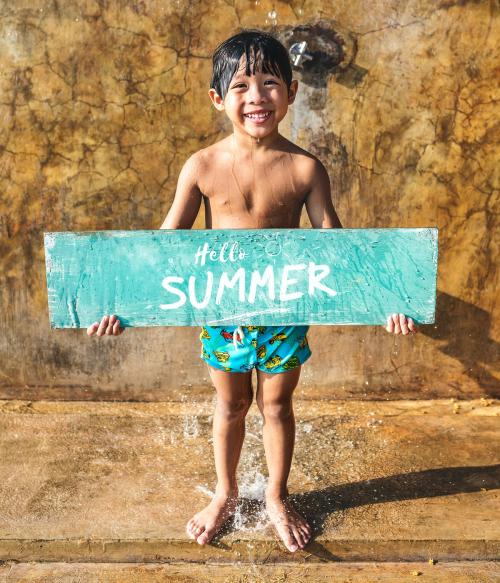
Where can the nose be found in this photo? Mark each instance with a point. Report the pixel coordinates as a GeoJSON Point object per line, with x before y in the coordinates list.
{"type": "Point", "coordinates": [256, 93]}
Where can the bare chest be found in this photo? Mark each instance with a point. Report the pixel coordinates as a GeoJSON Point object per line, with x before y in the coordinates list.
{"type": "Point", "coordinates": [265, 190]}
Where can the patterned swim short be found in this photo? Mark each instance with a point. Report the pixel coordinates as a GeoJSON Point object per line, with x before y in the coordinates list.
{"type": "Point", "coordinates": [271, 349]}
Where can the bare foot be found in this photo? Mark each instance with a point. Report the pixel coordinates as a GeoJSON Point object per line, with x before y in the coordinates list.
{"type": "Point", "coordinates": [208, 521]}
{"type": "Point", "coordinates": [291, 527]}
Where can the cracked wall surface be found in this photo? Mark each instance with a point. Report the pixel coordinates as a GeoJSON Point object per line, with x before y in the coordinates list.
{"type": "Point", "coordinates": [102, 102]}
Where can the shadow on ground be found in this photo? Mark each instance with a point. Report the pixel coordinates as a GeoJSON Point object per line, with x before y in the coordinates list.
{"type": "Point", "coordinates": [318, 505]}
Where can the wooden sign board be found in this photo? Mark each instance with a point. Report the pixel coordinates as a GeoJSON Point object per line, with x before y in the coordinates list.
{"type": "Point", "coordinates": [241, 277]}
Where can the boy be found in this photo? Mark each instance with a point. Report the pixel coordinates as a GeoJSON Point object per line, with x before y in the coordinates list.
{"type": "Point", "coordinates": [253, 179]}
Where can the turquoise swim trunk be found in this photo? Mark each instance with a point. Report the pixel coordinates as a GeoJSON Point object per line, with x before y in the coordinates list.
{"type": "Point", "coordinates": [271, 349]}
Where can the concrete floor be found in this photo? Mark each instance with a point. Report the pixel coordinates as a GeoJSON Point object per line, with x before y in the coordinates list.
{"type": "Point", "coordinates": [380, 482]}
{"type": "Point", "coordinates": [460, 572]}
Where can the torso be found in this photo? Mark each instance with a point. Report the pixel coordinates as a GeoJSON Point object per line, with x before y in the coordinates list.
{"type": "Point", "coordinates": [261, 190]}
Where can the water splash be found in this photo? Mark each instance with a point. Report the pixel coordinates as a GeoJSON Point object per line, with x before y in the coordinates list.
{"type": "Point", "coordinates": [191, 427]}
{"type": "Point", "coordinates": [302, 426]}
{"type": "Point", "coordinates": [273, 16]}
{"type": "Point", "coordinates": [206, 491]}
{"type": "Point", "coordinates": [251, 515]}
{"type": "Point", "coordinates": [253, 485]}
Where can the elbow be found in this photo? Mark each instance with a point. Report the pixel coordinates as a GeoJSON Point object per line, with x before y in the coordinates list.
{"type": "Point", "coordinates": [329, 220]}
{"type": "Point", "coordinates": [169, 225]}
{"type": "Point", "coordinates": [331, 223]}
{"type": "Point", "coordinates": [336, 223]}
{"type": "Point", "coordinates": [166, 225]}
{"type": "Point", "coordinates": [171, 222]}
{"type": "Point", "coordinates": [175, 224]}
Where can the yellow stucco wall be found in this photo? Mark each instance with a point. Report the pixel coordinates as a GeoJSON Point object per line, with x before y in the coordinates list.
{"type": "Point", "coordinates": [101, 103]}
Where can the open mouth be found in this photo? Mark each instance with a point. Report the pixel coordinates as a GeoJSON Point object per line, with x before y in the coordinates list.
{"type": "Point", "coordinates": [258, 117]}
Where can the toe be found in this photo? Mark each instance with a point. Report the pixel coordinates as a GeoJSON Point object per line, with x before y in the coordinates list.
{"type": "Point", "coordinates": [307, 537]}
{"type": "Point", "coordinates": [210, 532]}
{"type": "Point", "coordinates": [197, 531]}
{"type": "Point", "coordinates": [290, 542]}
{"type": "Point", "coordinates": [203, 538]}
{"type": "Point", "coordinates": [306, 530]}
{"type": "Point", "coordinates": [298, 536]}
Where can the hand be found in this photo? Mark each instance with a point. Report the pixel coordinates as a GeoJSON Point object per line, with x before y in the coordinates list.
{"type": "Point", "coordinates": [399, 323]}
{"type": "Point", "coordinates": [110, 325]}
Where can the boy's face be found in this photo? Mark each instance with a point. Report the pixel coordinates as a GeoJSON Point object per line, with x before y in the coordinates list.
{"type": "Point", "coordinates": [263, 92]}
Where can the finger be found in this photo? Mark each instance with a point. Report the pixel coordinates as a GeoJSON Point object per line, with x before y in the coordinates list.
{"type": "Point", "coordinates": [403, 324]}
{"type": "Point", "coordinates": [111, 322]}
{"type": "Point", "coordinates": [412, 326]}
{"type": "Point", "coordinates": [397, 327]}
{"type": "Point", "coordinates": [390, 325]}
{"type": "Point", "coordinates": [102, 326]}
{"type": "Point", "coordinates": [91, 330]}
{"type": "Point", "coordinates": [116, 328]}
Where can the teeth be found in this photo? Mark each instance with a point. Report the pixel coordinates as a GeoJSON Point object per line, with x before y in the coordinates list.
{"type": "Point", "coordinates": [258, 115]}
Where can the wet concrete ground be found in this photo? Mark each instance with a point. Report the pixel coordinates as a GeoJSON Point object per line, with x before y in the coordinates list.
{"type": "Point", "coordinates": [379, 481]}
{"type": "Point", "coordinates": [461, 572]}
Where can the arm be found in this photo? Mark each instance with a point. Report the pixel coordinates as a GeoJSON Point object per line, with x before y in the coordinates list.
{"type": "Point", "coordinates": [323, 216]}
{"type": "Point", "coordinates": [187, 199]}
{"type": "Point", "coordinates": [181, 215]}
{"type": "Point", "coordinates": [319, 204]}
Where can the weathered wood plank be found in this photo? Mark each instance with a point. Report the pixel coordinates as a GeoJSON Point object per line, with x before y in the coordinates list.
{"type": "Point", "coordinates": [244, 277]}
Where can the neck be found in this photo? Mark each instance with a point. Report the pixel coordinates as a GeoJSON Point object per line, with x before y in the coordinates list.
{"type": "Point", "coordinates": [248, 143]}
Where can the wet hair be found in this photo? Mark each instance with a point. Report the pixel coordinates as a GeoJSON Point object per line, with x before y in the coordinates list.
{"type": "Point", "coordinates": [261, 50]}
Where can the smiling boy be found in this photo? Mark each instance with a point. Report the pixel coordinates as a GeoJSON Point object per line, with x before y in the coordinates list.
{"type": "Point", "coordinates": [253, 179]}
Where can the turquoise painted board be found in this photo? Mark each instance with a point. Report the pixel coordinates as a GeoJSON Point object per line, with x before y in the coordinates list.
{"type": "Point", "coordinates": [241, 277]}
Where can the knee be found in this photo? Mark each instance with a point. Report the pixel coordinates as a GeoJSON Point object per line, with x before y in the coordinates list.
{"type": "Point", "coordinates": [276, 410]}
{"type": "Point", "coordinates": [233, 409]}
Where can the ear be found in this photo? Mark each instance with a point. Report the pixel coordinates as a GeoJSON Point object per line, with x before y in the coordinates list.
{"type": "Point", "coordinates": [292, 92]}
{"type": "Point", "coordinates": [216, 99]}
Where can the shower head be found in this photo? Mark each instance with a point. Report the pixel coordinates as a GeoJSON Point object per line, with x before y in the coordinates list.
{"type": "Point", "coordinates": [299, 53]}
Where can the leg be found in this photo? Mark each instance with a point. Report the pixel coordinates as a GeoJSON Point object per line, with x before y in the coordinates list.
{"type": "Point", "coordinates": [234, 397]}
{"type": "Point", "coordinates": [274, 399]}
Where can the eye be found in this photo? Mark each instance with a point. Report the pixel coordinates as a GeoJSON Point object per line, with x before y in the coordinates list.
{"type": "Point", "coordinates": [238, 85]}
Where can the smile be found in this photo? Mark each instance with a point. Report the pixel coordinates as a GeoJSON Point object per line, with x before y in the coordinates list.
{"type": "Point", "coordinates": [258, 117]}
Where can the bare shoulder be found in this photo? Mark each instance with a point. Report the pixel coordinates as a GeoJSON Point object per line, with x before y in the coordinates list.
{"type": "Point", "coordinates": [207, 156]}
{"type": "Point", "coordinates": [308, 167]}
{"type": "Point", "coordinates": [199, 163]}
{"type": "Point", "coordinates": [194, 164]}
